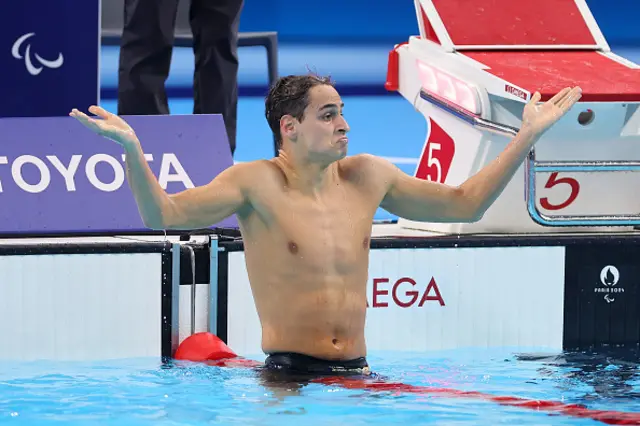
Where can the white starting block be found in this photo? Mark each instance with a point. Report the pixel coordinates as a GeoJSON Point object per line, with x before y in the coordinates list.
{"type": "Point", "coordinates": [471, 72]}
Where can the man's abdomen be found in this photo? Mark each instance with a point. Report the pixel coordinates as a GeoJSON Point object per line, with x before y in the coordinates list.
{"type": "Point", "coordinates": [325, 323]}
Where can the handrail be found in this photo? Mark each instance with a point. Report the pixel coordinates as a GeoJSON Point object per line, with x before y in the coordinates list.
{"type": "Point", "coordinates": [192, 257]}
{"type": "Point", "coordinates": [532, 167]}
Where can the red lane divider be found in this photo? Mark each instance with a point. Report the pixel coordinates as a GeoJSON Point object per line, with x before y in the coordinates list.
{"type": "Point", "coordinates": [575, 410]}
{"type": "Point", "coordinates": [207, 348]}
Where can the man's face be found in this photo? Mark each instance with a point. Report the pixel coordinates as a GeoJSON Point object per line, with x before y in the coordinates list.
{"type": "Point", "coordinates": [323, 130]}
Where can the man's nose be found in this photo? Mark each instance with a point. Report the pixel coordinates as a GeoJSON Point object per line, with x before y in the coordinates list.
{"type": "Point", "coordinates": [343, 126]}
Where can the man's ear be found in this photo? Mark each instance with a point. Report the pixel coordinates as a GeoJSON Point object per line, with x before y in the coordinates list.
{"type": "Point", "coordinates": [288, 127]}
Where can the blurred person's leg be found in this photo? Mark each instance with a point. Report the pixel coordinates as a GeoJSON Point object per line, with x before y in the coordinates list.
{"type": "Point", "coordinates": [215, 25]}
{"type": "Point", "coordinates": [145, 56]}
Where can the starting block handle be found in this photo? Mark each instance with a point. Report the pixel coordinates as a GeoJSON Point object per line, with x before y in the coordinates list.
{"type": "Point", "coordinates": [472, 119]}
{"type": "Point", "coordinates": [532, 167]}
{"type": "Point", "coordinates": [585, 166]}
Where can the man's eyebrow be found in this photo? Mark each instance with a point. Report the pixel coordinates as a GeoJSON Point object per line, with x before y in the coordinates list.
{"type": "Point", "coordinates": [331, 106]}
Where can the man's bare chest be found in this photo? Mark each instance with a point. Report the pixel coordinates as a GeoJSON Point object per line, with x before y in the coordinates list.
{"type": "Point", "coordinates": [332, 229]}
{"type": "Point", "coordinates": [331, 238]}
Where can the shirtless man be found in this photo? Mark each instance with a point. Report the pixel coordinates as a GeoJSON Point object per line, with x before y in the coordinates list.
{"type": "Point", "coordinates": [306, 215]}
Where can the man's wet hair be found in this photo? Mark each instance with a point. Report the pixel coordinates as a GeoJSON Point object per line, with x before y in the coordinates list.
{"type": "Point", "coordinates": [290, 96]}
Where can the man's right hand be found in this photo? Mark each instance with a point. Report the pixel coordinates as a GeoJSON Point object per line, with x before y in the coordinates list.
{"type": "Point", "coordinates": [108, 125]}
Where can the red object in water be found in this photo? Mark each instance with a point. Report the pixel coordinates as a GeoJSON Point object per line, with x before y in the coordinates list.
{"type": "Point", "coordinates": [204, 346]}
{"type": "Point", "coordinates": [208, 348]}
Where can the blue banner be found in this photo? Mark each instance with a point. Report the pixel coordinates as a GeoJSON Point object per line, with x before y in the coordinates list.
{"type": "Point", "coordinates": [49, 57]}
{"type": "Point", "coordinates": [57, 177]}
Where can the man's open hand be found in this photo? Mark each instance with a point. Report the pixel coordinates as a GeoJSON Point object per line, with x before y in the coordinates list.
{"type": "Point", "coordinates": [540, 117]}
{"type": "Point", "coordinates": [108, 125]}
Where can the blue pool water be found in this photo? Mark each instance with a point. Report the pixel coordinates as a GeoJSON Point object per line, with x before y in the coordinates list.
{"type": "Point", "coordinates": [143, 392]}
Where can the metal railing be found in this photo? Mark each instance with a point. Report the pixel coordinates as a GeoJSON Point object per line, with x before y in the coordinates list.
{"type": "Point", "coordinates": [269, 40]}
{"type": "Point", "coordinates": [192, 258]}
{"type": "Point", "coordinates": [532, 166]}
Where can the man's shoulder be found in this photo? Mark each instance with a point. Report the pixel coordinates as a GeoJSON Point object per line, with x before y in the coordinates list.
{"type": "Point", "coordinates": [367, 169]}
{"type": "Point", "coordinates": [363, 163]}
{"type": "Point", "coordinates": [252, 172]}
{"type": "Point", "coordinates": [254, 166]}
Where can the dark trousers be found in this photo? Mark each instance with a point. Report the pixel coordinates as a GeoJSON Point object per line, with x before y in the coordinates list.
{"type": "Point", "coordinates": [145, 57]}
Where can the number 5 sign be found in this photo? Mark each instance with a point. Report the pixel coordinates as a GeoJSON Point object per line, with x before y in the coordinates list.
{"type": "Point", "coordinates": [566, 183]}
{"type": "Point", "coordinates": [437, 155]}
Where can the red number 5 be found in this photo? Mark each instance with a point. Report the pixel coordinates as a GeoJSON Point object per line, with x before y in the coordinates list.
{"type": "Point", "coordinates": [437, 156]}
{"type": "Point", "coordinates": [553, 181]}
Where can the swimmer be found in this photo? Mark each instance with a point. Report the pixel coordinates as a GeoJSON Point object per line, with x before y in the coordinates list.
{"type": "Point", "coordinates": [305, 216]}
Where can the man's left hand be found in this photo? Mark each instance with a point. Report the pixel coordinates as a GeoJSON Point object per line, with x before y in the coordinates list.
{"type": "Point", "coordinates": [538, 118]}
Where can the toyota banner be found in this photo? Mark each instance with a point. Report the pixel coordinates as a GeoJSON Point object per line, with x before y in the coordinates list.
{"type": "Point", "coordinates": [57, 177]}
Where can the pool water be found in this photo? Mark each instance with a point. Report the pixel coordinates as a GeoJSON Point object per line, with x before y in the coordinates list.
{"type": "Point", "coordinates": [146, 392]}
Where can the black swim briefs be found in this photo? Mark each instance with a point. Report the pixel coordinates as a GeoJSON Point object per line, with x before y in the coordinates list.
{"type": "Point", "coordinates": [289, 362]}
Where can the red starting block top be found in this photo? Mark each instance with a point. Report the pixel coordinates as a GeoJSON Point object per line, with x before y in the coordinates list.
{"type": "Point", "coordinates": [484, 24]}
{"type": "Point", "coordinates": [542, 45]}
{"type": "Point", "coordinates": [601, 78]}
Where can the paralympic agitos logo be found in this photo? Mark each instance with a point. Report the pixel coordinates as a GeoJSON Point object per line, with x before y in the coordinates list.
{"type": "Point", "coordinates": [41, 63]}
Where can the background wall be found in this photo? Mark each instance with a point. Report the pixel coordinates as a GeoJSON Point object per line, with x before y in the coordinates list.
{"type": "Point", "coordinates": [373, 21]}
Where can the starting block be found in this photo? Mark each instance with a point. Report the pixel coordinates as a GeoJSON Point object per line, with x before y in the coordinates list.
{"type": "Point", "coordinates": [471, 72]}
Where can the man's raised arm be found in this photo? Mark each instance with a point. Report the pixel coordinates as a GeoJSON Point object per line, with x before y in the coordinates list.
{"type": "Point", "coordinates": [420, 200]}
{"type": "Point", "coordinates": [193, 208]}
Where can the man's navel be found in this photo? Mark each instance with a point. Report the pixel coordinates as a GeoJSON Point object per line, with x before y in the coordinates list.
{"type": "Point", "coordinates": [293, 247]}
